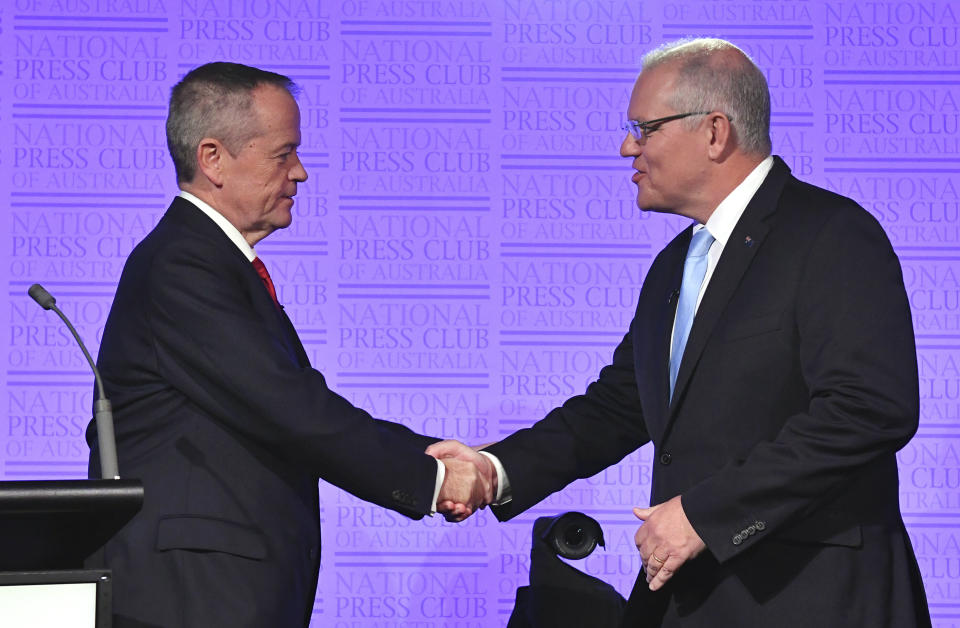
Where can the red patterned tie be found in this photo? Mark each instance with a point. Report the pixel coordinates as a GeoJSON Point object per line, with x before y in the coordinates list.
{"type": "Point", "coordinates": [267, 282]}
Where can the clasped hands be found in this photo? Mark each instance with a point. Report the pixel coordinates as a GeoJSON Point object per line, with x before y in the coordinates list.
{"type": "Point", "coordinates": [470, 481]}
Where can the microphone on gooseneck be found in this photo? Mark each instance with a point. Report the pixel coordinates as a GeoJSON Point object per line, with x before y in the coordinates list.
{"type": "Point", "coordinates": [103, 412]}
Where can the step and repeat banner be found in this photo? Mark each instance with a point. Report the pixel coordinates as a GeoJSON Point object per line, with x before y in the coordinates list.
{"type": "Point", "coordinates": [467, 251]}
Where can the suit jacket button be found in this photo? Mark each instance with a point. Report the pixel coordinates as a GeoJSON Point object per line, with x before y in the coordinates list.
{"type": "Point", "coordinates": [665, 458]}
{"type": "Point", "coordinates": [760, 525]}
{"type": "Point", "coordinates": [737, 539]}
{"type": "Point", "coordinates": [752, 529]}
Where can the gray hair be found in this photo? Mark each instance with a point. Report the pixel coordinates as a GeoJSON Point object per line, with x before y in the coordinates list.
{"type": "Point", "coordinates": [710, 78]}
{"type": "Point", "coordinates": [215, 100]}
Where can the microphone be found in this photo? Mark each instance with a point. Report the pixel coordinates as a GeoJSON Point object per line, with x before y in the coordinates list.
{"type": "Point", "coordinates": [103, 412]}
{"type": "Point", "coordinates": [41, 296]}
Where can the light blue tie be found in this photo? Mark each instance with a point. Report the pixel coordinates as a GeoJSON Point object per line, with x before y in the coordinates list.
{"type": "Point", "coordinates": [694, 268]}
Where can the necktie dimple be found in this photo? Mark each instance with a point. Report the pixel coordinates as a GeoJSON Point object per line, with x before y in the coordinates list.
{"type": "Point", "coordinates": [694, 269]}
{"type": "Point", "coordinates": [265, 277]}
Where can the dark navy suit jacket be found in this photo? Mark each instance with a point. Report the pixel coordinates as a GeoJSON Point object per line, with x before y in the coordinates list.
{"type": "Point", "coordinates": [220, 415]}
{"type": "Point", "coordinates": [797, 386]}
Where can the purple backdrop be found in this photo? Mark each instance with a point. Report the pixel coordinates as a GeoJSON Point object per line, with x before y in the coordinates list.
{"type": "Point", "coordinates": [467, 251]}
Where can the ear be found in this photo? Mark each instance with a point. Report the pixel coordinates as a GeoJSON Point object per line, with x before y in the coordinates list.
{"type": "Point", "coordinates": [210, 160]}
{"type": "Point", "coordinates": [722, 141]}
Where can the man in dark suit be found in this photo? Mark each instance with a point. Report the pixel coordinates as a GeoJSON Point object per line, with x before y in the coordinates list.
{"type": "Point", "coordinates": [217, 409]}
{"type": "Point", "coordinates": [771, 361]}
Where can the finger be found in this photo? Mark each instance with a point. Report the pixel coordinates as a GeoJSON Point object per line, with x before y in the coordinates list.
{"type": "Point", "coordinates": [445, 448]}
{"type": "Point", "coordinates": [450, 449]}
{"type": "Point", "coordinates": [638, 539]}
{"type": "Point", "coordinates": [664, 573]}
{"type": "Point", "coordinates": [643, 513]}
{"type": "Point", "coordinates": [449, 507]}
{"type": "Point", "coordinates": [460, 516]}
{"type": "Point", "coordinates": [645, 540]}
{"type": "Point", "coordinates": [653, 564]}
{"type": "Point", "coordinates": [458, 510]}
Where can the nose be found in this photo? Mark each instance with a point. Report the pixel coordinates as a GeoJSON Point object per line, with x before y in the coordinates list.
{"type": "Point", "coordinates": [631, 146]}
{"type": "Point", "coordinates": [298, 173]}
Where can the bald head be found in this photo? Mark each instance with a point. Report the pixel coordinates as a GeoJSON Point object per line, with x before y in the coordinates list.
{"type": "Point", "coordinates": [715, 75]}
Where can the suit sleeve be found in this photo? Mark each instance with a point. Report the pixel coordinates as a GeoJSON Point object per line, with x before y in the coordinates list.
{"type": "Point", "coordinates": [213, 346]}
{"type": "Point", "coordinates": [585, 435]}
{"type": "Point", "coordinates": [858, 362]}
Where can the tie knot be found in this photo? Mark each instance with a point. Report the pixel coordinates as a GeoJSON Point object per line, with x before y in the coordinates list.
{"type": "Point", "coordinates": [700, 243]}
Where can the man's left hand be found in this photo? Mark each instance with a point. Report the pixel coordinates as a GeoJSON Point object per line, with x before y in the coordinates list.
{"type": "Point", "coordinates": [666, 540]}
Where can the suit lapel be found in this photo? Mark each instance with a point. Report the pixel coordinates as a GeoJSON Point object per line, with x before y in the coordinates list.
{"type": "Point", "coordinates": [184, 212]}
{"type": "Point", "coordinates": [745, 241]}
{"type": "Point", "coordinates": [298, 349]}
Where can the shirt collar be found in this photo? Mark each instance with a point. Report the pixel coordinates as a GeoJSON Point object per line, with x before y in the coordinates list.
{"type": "Point", "coordinates": [231, 232]}
{"type": "Point", "coordinates": [725, 217]}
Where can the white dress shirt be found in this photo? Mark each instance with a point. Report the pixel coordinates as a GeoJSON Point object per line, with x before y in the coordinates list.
{"type": "Point", "coordinates": [725, 217]}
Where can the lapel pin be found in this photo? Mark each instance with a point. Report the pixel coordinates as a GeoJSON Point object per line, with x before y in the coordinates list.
{"type": "Point", "coordinates": [748, 241]}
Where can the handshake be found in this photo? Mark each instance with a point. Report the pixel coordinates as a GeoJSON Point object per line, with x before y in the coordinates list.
{"type": "Point", "coordinates": [470, 479]}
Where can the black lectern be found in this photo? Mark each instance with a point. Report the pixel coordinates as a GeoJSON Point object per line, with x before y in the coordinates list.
{"type": "Point", "coordinates": [48, 528]}
{"type": "Point", "coordinates": [56, 524]}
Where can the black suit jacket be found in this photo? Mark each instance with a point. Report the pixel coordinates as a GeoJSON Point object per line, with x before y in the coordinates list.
{"type": "Point", "coordinates": [219, 413]}
{"type": "Point", "coordinates": [797, 386]}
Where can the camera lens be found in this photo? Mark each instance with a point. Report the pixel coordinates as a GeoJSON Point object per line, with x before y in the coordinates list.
{"type": "Point", "coordinates": [573, 535]}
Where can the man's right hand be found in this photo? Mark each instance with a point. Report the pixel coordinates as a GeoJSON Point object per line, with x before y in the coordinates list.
{"type": "Point", "coordinates": [470, 482]}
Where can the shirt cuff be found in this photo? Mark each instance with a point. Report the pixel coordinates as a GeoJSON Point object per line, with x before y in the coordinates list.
{"type": "Point", "coordinates": [441, 473]}
{"type": "Point", "coordinates": [504, 494]}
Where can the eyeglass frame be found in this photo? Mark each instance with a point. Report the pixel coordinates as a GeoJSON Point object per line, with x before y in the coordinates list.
{"type": "Point", "coordinates": [641, 131]}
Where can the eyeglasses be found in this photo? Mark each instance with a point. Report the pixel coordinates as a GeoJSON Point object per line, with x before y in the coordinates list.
{"type": "Point", "coordinates": [643, 130]}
